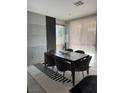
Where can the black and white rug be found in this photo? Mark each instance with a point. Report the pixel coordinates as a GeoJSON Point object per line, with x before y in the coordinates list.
{"type": "Point", "coordinates": [47, 82]}
{"type": "Point", "coordinates": [51, 81]}
{"type": "Point", "coordinates": [52, 74]}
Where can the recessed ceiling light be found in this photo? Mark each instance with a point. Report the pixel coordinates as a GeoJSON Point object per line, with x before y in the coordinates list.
{"type": "Point", "coordinates": [78, 3]}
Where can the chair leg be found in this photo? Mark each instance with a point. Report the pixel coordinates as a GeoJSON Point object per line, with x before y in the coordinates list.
{"type": "Point", "coordinates": [63, 73]}
{"type": "Point", "coordinates": [57, 70]}
{"type": "Point", "coordinates": [52, 67]}
{"type": "Point", "coordinates": [45, 64]}
{"type": "Point", "coordinates": [87, 71]}
{"type": "Point", "coordinates": [83, 74]}
{"type": "Point", "coordinates": [71, 76]}
{"type": "Point", "coordinates": [63, 76]}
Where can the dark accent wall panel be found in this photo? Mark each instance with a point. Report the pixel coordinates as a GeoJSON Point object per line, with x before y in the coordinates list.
{"type": "Point", "coordinates": [51, 32]}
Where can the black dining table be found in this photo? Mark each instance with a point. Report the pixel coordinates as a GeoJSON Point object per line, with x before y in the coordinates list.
{"type": "Point", "coordinates": [71, 57]}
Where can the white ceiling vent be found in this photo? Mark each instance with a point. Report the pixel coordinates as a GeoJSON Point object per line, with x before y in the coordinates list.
{"type": "Point", "coordinates": [78, 3]}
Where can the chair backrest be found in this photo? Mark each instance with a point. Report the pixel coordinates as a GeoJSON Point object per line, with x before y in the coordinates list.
{"type": "Point", "coordinates": [61, 64]}
{"type": "Point", "coordinates": [69, 49]}
{"type": "Point", "coordinates": [80, 51]}
{"type": "Point", "coordinates": [49, 59]}
{"type": "Point", "coordinates": [84, 63]}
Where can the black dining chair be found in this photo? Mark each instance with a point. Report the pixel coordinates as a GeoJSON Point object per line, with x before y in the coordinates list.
{"type": "Point", "coordinates": [80, 51]}
{"type": "Point", "coordinates": [83, 65]}
{"type": "Point", "coordinates": [86, 85]}
{"type": "Point", "coordinates": [49, 60]}
{"type": "Point", "coordinates": [69, 49]}
{"type": "Point", "coordinates": [62, 65]}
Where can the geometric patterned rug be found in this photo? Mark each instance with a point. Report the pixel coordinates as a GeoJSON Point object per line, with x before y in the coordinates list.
{"type": "Point", "coordinates": [52, 74]}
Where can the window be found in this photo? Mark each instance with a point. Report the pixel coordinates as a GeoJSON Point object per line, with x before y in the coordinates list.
{"type": "Point", "coordinates": [60, 37]}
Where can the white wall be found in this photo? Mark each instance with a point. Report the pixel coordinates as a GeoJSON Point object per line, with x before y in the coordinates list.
{"type": "Point", "coordinates": [36, 37]}
{"type": "Point", "coordinates": [60, 22]}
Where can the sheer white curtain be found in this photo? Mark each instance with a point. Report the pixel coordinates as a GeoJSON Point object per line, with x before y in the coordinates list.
{"type": "Point", "coordinates": [82, 34]}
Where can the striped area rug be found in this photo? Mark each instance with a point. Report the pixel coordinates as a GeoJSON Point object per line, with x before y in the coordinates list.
{"type": "Point", "coordinates": [46, 82]}
{"type": "Point", "coordinates": [51, 81]}
{"type": "Point", "coordinates": [52, 74]}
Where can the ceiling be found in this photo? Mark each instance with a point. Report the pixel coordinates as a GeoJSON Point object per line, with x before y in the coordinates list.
{"type": "Point", "coordinates": [62, 9]}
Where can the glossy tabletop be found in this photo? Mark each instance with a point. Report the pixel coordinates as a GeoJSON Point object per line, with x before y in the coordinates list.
{"type": "Point", "coordinates": [69, 56]}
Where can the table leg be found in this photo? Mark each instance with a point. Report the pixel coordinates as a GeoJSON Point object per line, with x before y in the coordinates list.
{"type": "Point", "coordinates": [73, 73]}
